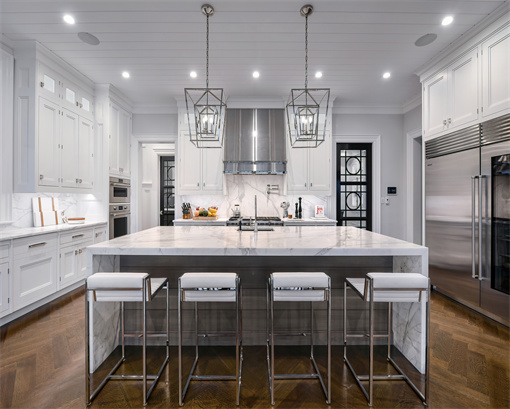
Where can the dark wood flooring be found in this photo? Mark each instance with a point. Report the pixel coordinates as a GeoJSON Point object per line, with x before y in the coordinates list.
{"type": "Point", "coordinates": [42, 366]}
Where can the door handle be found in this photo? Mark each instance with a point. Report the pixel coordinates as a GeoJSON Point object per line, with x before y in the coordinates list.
{"type": "Point", "coordinates": [37, 244]}
{"type": "Point", "coordinates": [473, 227]}
{"type": "Point", "coordinates": [480, 224]}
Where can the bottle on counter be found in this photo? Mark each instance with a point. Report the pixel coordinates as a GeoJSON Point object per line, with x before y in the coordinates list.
{"type": "Point", "coordinates": [296, 213]}
{"type": "Point", "coordinates": [300, 210]}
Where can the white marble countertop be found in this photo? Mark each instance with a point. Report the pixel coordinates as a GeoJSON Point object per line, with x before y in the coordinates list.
{"type": "Point", "coordinates": [283, 241]}
{"type": "Point", "coordinates": [202, 222]}
{"type": "Point", "coordinates": [34, 231]}
{"type": "Point", "coordinates": [311, 221]}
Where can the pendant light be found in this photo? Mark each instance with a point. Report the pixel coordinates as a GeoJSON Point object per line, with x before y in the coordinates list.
{"type": "Point", "coordinates": [206, 107]}
{"type": "Point", "coordinates": [307, 109]}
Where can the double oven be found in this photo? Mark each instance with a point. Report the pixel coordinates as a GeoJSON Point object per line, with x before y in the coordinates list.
{"type": "Point", "coordinates": [120, 207]}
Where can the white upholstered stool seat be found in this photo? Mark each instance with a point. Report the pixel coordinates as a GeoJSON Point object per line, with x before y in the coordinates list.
{"type": "Point", "coordinates": [126, 287]}
{"type": "Point", "coordinates": [298, 287]}
{"type": "Point", "coordinates": [388, 288]}
{"type": "Point", "coordinates": [210, 287]}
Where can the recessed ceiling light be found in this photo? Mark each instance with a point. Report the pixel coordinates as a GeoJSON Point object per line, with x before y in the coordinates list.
{"type": "Point", "coordinates": [256, 74]}
{"type": "Point", "coordinates": [425, 40]}
{"type": "Point", "coordinates": [88, 38]}
{"type": "Point", "coordinates": [125, 74]}
{"type": "Point", "coordinates": [69, 19]}
{"type": "Point", "coordinates": [318, 74]}
{"type": "Point", "coordinates": [193, 74]}
{"type": "Point", "coordinates": [386, 75]}
{"type": "Point", "coordinates": [447, 21]}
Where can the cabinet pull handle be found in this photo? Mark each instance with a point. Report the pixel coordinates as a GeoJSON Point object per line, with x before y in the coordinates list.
{"type": "Point", "coordinates": [77, 104]}
{"type": "Point", "coordinates": [311, 184]}
{"type": "Point", "coordinates": [449, 120]}
{"type": "Point", "coordinates": [42, 243]}
{"type": "Point", "coordinates": [77, 180]}
{"type": "Point", "coordinates": [305, 184]}
{"type": "Point", "coordinates": [444, 122]}
{"type": "Point", "coordinates": [75, 252]}
{"type": "Point", "coordinates": [42, 84]}
{"type": "Point", "coordinates": [41, 177]}
{"type": "Point", "coordinates": [77, 235]}
{"type": "Point", "coordinates": [97, 234]}
{"type": "Point", "coordinates": [198, 184]}
{"type": "Point", "coordinates": [80, 251]}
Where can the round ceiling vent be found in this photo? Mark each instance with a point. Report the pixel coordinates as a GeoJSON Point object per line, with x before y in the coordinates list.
{"type": "Point", "coordinates": [425, 40]}
{"type": "Point", "coordinates": [88, 38]}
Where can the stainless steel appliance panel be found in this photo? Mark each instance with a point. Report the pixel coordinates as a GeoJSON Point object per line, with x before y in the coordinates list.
{"type": "Point", "coordinates": [120, 220]}
{"type": "Point", "coordinates": [449, 208]}
{"type": "Point", "coordinates": [494, 301]}
{"type": "Point", "coordinates": [120, 190]}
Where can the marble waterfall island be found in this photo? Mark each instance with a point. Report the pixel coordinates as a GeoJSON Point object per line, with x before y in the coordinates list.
{"type": "Point", "coordinates": [338, 251]}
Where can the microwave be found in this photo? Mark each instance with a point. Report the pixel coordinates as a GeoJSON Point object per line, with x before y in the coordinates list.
{"type": "Point", "coordinates": [120, 190]}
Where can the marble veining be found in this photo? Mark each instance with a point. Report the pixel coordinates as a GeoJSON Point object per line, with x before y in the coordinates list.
{"type": "Point", "coordinates": [241, 189]}
{"type": "Point", "coordinates": [283, 241]}
{"type": "Point", "coordinates": [73, 205]}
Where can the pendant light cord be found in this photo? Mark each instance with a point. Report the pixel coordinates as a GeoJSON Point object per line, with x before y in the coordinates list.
{"type": "Point", "coordinates": [207, 55]}
{"type": "Point", "coordinates": [306, 51]}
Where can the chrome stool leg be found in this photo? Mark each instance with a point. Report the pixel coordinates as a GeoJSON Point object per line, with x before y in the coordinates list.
{"type": "Point", "coordinates": [390, 287]}
{"type": "Point", "coordinates": [210, 291]}
{"type": "Point", "coordinates": [304, 292]}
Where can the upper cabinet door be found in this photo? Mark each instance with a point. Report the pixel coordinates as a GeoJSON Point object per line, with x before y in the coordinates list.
{"type": "Point", "coordinates": [435, 104]}
{"type": "Point", "coordinates": [69, 148]}
{"type": "Point", "coordinates": [496, 77]}
{"type": "Point", "coordinates": [319, 167]}
{"type": "Point", "coordinates": [212, 170]}
{"type": "Point", "coordinates": [463, 91]}
{"type": "Point", "coordinates": [297, 169]}
{"type": "Point", "coordinates": [190, 166]}
{"type": "Point", "coordinates": [49, 142]}
{"type": "Point", "coordinates": [124, 142]}
{"type": "Point", "coordinates": [48, 83]}
{"type": "Point", "coordinates": [113, 145]}
{"type": "Point", "coordinates": [86, 154]}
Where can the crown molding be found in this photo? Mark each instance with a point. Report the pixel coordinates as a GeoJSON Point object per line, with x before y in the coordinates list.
{"type": "Point", "coordinates": [373, 109]}
{"type": "Point", "coordinates": [411, 103]}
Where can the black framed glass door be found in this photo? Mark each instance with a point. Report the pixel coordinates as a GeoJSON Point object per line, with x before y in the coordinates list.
{"type": "Point", "coordinates": [354, 185]}
{"type": "Point", "coordinates": [167, 191]}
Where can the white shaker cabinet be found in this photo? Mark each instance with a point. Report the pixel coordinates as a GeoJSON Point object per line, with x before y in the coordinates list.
{"type": "Point", "coordinates": [100, 234]}
{"type": "Point", "coordinates": [496, 74]}
{"type": "Point", "coordinates": [4, 279]}
{"type": "Point", "coordinates": [450, 98]}
{"type": "Point", "coordinates": [119, 141]}
{"type": "Point", "coordinates": [72, 256]}
{"type": "Point", "coordinates": [48, 143]}
{"type": "Point", "coordinates": [85, 154]}
{"type": "Point", "coordinates": [69, 123]}
{"type": "Point", "coordinates": [309, 169]}
{"type": "Point", "coordinates": [200, 169]}
{"type": "Point", "coordinates": [34, 271]}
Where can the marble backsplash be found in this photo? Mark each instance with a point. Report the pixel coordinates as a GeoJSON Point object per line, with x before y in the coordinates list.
{"type": "Point", "coordinates": [73, 205]}
{"type": "Point", "coordinates": [241, 189]}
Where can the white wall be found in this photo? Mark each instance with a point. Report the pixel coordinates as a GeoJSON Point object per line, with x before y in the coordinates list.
{"type": "Point", "coordinates": [392, 172]}
{"type": "Point", "coordinates": [149, 124]}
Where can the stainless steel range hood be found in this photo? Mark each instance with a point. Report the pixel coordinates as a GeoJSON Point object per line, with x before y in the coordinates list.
{"type": "Point", "coordinates": [255, 142]}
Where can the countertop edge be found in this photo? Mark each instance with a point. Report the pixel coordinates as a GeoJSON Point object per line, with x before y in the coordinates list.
{"type": "Point", "coordinates": [36, 231]}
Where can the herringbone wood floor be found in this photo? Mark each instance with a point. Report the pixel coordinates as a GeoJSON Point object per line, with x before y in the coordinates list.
{"type": "Point", "coordinates": [42, 366]}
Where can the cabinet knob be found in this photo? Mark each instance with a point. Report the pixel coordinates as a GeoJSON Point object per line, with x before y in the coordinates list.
{"type": "Point", "coordinates": [444, 122]}
{"type": "Point", "coordinates": [203, 184]}
{"type": "Point", "coordinates": [198, 184]}
{"type": "Point", "coordinates": [77, 104]}
{"type": "Point", "coordinates": [42, 84]}
{"type": "Point", "coordinates": [449, 120]}
{"type": "Point", "coordinates": [41, 177]}
{"type": "Point", "coordinates": [305, 184]}
{"type": "Point", "coordinates": [311, 184]}
{"type": "Point", "coordinates": [77, 180]}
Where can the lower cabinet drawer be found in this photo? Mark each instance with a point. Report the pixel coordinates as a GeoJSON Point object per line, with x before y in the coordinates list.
{"type": "Point", "coordinates": [76, 236]}
{"type": "Point", "coordinates": [33, 278]}
{"type": "Point", "coordinates": [35, 245]}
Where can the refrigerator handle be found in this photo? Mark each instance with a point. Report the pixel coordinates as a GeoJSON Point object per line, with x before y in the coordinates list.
{"type": "Point", "coordinates": [473, 227]}
{"type": "Point", "coordinates": [481, 206]}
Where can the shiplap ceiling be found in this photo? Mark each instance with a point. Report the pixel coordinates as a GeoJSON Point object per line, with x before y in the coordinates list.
{"type": "Point", "coordinates": [160, 42]}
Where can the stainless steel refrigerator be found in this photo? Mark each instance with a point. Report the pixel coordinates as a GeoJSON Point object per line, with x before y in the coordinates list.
{"type": "Point", "coordinates": [467, 216]}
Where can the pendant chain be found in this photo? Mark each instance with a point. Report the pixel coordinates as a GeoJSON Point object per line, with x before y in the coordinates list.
{"type": "Point", "coordinates": [207, 55]}
{"type": "Point", "coordinates": [306, 51]}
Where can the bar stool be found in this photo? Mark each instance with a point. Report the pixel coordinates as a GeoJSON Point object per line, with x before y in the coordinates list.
{"type": "Point", "coordinates": [298, 287]}
{"type": "Point", "coordinates": [125, 287]}
{"type": "Point", "coordinates": [210, 287]}
{"type": "Point", "coordinates": [389, 288]}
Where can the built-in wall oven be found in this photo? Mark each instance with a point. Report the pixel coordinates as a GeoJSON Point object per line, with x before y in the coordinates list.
{"type": "Point", "coordinates": [120, 219]}
{"type": "Point", "coordinates": [120, 190]}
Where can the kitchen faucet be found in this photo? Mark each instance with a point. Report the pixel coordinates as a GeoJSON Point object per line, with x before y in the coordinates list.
{"type": "Point", "coordinates": [255, 225]}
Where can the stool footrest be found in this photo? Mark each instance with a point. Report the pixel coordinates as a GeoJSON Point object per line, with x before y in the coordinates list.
{"type": "Point", "coordinates": [214, 377]}
{"type": "Point", "coordinates": [132, 377]}
{"type": "Point", "coordinates": [383, 377]}
{"type": "Point", "coordinates": [149, 334]}
{"type": "Point", "coordinates": [367, 335]}
{"type": "Point", "coordinates": [297, 376]}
